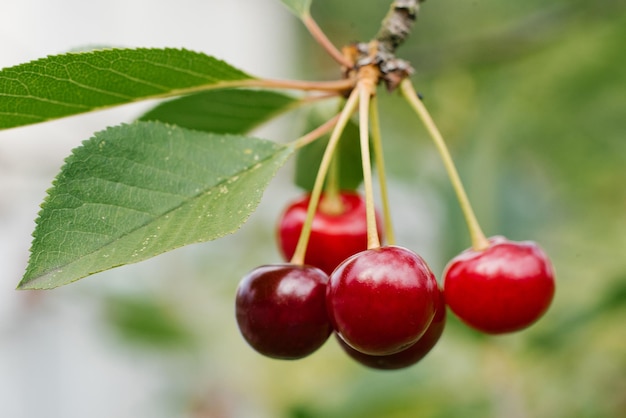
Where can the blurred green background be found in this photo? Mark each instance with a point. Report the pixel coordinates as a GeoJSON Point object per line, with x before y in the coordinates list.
{"type": "Point", "coordinates": [531, 97]}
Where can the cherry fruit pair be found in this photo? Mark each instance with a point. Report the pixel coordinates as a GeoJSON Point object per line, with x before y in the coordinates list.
{"type": "Point", "coordinates": [386, 307]}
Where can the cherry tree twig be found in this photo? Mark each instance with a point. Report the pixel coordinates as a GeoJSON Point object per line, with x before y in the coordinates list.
{"type": "Point", "coordinates": [397, 25]}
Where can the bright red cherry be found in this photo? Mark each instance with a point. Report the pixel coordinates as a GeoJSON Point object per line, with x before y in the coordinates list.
{"type": "Point", "coordinates": [409, 356]}
{"type": "Point", "coordinates": [334, 236]}
{"type": "Point", "coordinates": [381, 301]}
{"type": "Point", "coordinates": [503, 288]}
{"type": "Point", "coordinates": [281, 310]}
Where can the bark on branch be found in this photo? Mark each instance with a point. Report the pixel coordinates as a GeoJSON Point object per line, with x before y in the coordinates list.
{"type": "Point", "coordinates": [397, 25]}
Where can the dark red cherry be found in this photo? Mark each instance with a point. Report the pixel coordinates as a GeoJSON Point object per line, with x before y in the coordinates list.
{"type": "Point", "coordinates": [281, 310]}
{"type": "Point", "coordinates": [381, 301]}
{"type": "Point", "coordinates": [409, 356]}
{"type": "Point", "coordinates": [335, 236]}
{"type": "Point", "coordinates": [504, 288]}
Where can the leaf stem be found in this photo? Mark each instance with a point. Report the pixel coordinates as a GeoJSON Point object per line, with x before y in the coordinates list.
{"type": "Point", "coordinates": [366, 89]}
{"type": "Point", "coordinates": [344, 116]}
{"type": "Point", "coordinates": [479, 241]}
{"type": "Point", "coordinates": [380, 166]}
{"type": "Point", "coordinates": [334, 86]}
{"type": "Point", "coordinates": [319, 97]}
{"type": "Point", "coordinates": [321, 38]}
{"type": "Point", "coordinates": [316, 133]}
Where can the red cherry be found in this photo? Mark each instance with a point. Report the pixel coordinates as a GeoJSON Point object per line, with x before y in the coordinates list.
{"type": "Point", "coordinates": [503, 288]}
{"type": "Point", "coordinates": [380, 301]}
{"type": "Point", "coordinates": [281, 310]}
{"type": "Point", "coordinates": [409, 356]}
{"type": "Point", "coordinates": [334, 236]}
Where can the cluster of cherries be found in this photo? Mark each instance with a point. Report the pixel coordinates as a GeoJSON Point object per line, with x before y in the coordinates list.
{"type": "Point", "coordinates": [383, 304]}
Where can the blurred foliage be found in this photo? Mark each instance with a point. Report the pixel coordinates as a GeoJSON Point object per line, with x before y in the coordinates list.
{"type": "Point", "coordinates": [146, 321]}
{"type": "Point", "coordinates": [531, 97]}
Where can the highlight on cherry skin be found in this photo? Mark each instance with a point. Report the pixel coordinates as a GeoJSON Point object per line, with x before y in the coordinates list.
{"type": "Point", "coordinates": [381, 301]}
{"type": "Point", "coordinates": [409, 356]}
{"type": "Point", "coordinates": [339, 230]}
{"type": "Point", "coordinates": [503, 288]}
{"type": "Point", "coordinates": [281, 310]}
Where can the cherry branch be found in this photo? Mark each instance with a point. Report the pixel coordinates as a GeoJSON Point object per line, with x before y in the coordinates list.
{"type": "Point", "coordinates": [397, 25]}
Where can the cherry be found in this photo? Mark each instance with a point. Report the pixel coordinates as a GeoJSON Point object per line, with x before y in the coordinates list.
{"type": "Point", "coordinates": [281, 310]}
{"type": "Point", "coordinates": [410, 355]}
{"type": "Point", "coordinates": [334, 236]}
{"type": "Point", "coordinates": [504, 288]}
{"type": "Point", "coordinates": [382, 300]}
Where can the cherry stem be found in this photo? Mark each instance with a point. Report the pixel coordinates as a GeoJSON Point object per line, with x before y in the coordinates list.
{"type": "Point", "coordinates": [380, 165]}
{"type": "Point", "coordinates": [479, 241]}
{"type": "Point", "coordinates": [321, 38]}
{"type": "Point", "coordinates": [366, 88]}
{"type": "Point", "coordinates": [331, 203]}
{"type": "Point", "coordinates": [344, 116]}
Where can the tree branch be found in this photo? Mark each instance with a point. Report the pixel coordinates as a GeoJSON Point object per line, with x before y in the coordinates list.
{"type": "Point", "coordinates": [397, 25]}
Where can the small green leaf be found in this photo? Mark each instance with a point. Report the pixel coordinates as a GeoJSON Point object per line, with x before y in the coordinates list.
{"type": "Point", "coordinates": [348, 151]}
{"type": "Point", "coordinates": [298, 7]}
{"type": "Point", "coordinates": [74, 83]}
{"type": "Point", "coordinates": [222, 111]}
{"type": "Point", "coordinates": [135, 191]}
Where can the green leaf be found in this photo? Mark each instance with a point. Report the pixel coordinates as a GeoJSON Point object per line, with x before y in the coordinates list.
{"type": "Point", "coordinates": [222, 111]}
{"type": "Point", "coordinates": [298, 7]}
{"type": "Point", "coordinates": [348, 151]}
{"type": "Point", "coordinates": [134, 191]}
{"type": "Point", "coordinates": [74, 83]}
